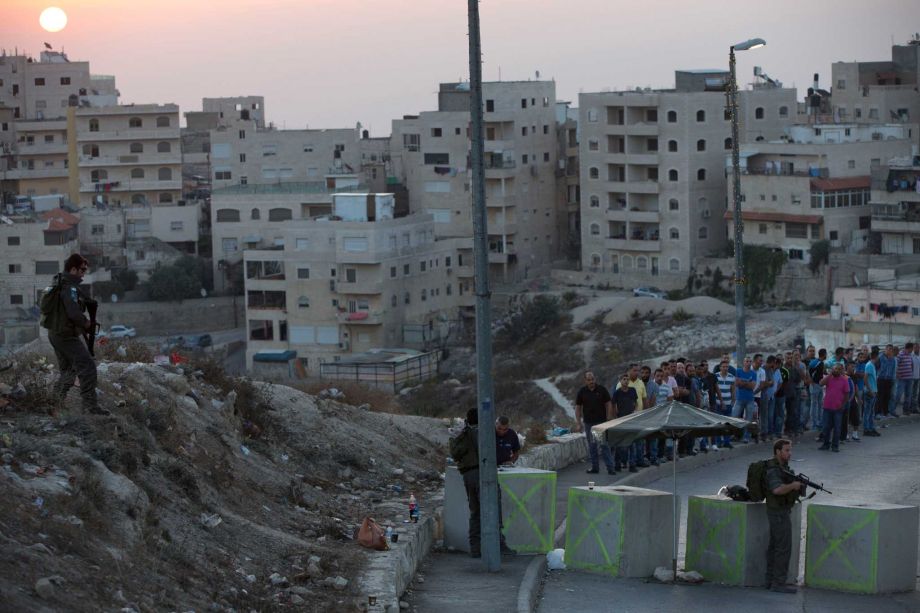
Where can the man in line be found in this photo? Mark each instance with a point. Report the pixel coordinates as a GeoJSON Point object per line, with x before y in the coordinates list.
{"type": "Point", "coordinates": [816, 392]}
{"type": "Point", "coordinates": [464, 449]}
{"type": "Point", "coordinates": [836, 395]}
{"type": "Point", "coordinates": [757, 367]}
{"type": "Point", "coordinates": [745, 384]}
{"type": "Point", "coordinates": [887, 367]}
{"type": "Point", "coordinates": [905, 384]}
{"type": "Point", "coordinates": [767, 399]}
{"type": "Point", "coordinates": [636, 383]}
{"type": "Point", "coordinates": [625, 401]}
{"type": "Point", "coordinates": [870, 392]}
{"type": "Point", "coordinates": [725, 381]}
{"type": "Point", "coordinates": [915, 377]}
{"type": "Point", "coordinates": [507, 443]}
{"type": "Point", "coordinates": [593, 407]}
{"type": "Point", "coordinates": [66, 324]}
{"type": "Point", "coordinates": [782, 491]}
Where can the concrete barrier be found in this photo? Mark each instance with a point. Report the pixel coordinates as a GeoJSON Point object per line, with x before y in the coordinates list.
{"type": "Point", "coordinates": [528, 509]}
{"type": "Point", "coordinates": [559, 452]}
{"type": "Point", "coordinates": [727, 540]}
{"type": "Point", "coordinates": [619, 530]}
{"type": "Point", "coordinates": [867, 548]}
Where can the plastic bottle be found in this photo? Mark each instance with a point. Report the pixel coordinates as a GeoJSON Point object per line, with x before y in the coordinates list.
{"type": "Point", "coordinates": [389, 536]}
{"type": "Point", "coordinates": [413, 508]}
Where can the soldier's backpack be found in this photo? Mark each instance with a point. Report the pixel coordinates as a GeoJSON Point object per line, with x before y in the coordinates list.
{"type": "Point", "coordinates": [757, 480]}
{"type": "Point", "coordinates": [53, 314]}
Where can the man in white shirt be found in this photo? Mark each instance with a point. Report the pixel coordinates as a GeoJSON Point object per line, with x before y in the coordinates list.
{"type": "Point", "coordinates": [761, 385]}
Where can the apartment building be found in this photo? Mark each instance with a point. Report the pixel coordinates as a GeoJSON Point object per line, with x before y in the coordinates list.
{"type": "Point", "coordinates": [568, 188]}
{"type": "Point", "coordinates": [346, 284]}
{"type": "Point", "coordinates": [123, 155]}
{"type": "Point", "coordinates": [34, 247]}
{"type": "Point", "coordinates": [253, 216]}
{"type": "Point", "coordinates": [879, 92]}
{"type": "Point", "coordinates": [652, 173]}
{"type": "Point", "coordinates": [895, 202]}
{"type": "Point", "coordinates": [814, 184]}
{"type": "Point", "coordinates": [430, 155]}
{"type": "Point", "coordinates": [46, 88]}
{"type": "Point", "coordinates": [39, 164]}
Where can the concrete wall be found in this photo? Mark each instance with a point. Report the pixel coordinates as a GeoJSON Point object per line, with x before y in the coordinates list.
{"type": "Point", "coordinates": [166, 318]}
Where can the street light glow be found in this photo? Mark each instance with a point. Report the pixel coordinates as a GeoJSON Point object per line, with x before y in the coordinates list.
{"type": "Point", "coordinates": [753, 43]}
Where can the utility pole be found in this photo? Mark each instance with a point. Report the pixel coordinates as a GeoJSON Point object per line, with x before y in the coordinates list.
{"type": "Point", "coordinates": [741, 341]}
{"type": "Point", "coordinates": [488, 473]}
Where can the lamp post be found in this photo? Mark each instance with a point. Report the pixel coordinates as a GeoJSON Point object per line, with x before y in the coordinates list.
{"type": "Point", "coordinates": [741, 340]}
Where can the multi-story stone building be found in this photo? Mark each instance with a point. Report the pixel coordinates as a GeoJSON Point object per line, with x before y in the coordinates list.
{"type": "Point", "coordinates": [895, 202]}
{"type": "Point", "coordinates": [879, 92]}
{"type": "Point", "coordinates": [128, 154]}
{"type": "Point", "coordinates": [814, 184]}
{"type": "Point", "coordinates": [652, 173]}
{"type": "Point", "coordinates": [568, 188]}
{"type": "Point", "coordinates": [34, 248]}
{"type": "Point", "coordinates": [430, 155]}
{"type": "Point", "coordinates": [39, 165]}
{"type": "Point", "coordinates": [347, 283]}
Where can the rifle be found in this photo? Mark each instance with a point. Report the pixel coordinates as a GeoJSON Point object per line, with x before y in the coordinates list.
{"type": "Point", "coordinates": [803, 479]}
{"type": "Point", "coordinates": [90, 335]}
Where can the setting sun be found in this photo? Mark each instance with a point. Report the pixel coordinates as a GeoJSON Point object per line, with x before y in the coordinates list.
{"type": "Point", "coordinates": [53, 19]}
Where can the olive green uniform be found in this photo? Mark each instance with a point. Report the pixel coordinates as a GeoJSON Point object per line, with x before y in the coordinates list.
{"type": "Point", "coordinates": [779, 511]}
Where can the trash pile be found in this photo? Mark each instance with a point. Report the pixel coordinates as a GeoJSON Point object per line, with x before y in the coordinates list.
{"type": "Point", "coordinates": [193, 496]}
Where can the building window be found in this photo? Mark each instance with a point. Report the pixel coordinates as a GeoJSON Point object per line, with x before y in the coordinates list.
{"type": "Point", "coordinates": [851, 163]}
{"type": "Point", "coordinates": [137, 148]}
{"type": "Point", "coordinates": [164, 147]}
{"type": "Point", "coordinates": [595, 202]}
{"type": "Point", "coordinates": [701, 174]}
{"type": "Point", "coordinates": [672, 146]}
{"type": "Point", "coordinates": [393, 301]}
{"type": "Point", "coordinates": [424, 294]}
{"type": "Point", "coordinates": [700, 116]}
{"type": "Point", "coordinates": [704, 232]}
{"type": "Point", "coordinates": [593, 144]}
{"type": "Point", "coordinates": [595, 230]}
{"type": "Point", "coordinates": [701, 145]}
{"type": "Point", "coordinates": [407, 298]}
{"type": "Point", "coordinates": [652, 173]}
{"type": "Point", "coordinates": [280, 214]}
{"type": "Point", "coordinates": [728, 143]}
{"type": "Point", "coordinates": [15, 298]}
{"type": "Point", "coordinates": [784, 111]}
{"type": "Point", "coordinates": [651, 115]}
{"type": "Point", "coordinates": [842, 84]}
{"type": "Point", "coordinates": [303, 302]}
{"type": "Point", "coordinates": [545, 156]}
{"type": "Point", "coordinates": [164, 174]}
{"type": "Point", "coordinates": [135, 122]}
{"type": "Point", "coordinates": [672, 175]}
{"type": "Point", "coordinates": [674, 265]}
{"type": "Point", "coordinates": [94, 125]}
{"type": "Point", "coordinates": [641, 262]}
{"type": "Point", "coordinates": [674, 234]}
{"type": "Point", "coordinates": [406, 270]}
{"type": "Point", "coordinates": [98, 175]}
{"type": "Point", "coordinates": [242, 134]}
{"type": "Point", "coordinates": [138, 199]}
{"type": "Point", "coordinates": [422, 266]}
{"type": "Point", "coordinates": [762, 228]}
{"type": "Point", "coordinates": [758, 112]}
{"type": "Point", "coordinates": [40, 81]}
{"type": "Point", "coordinates": [165, 197]}
{"type": "Point", "coordinates": [796, 254]}
{"type": "Point", "coordinates": [592, 115]}
{"type": "Point", "coordinates": [593, 173]}
{"type": "Point", "coordinates": [137, 173]}
{"type": "Point", "coordinates": [490, 106]}
{"type": "Point", "coordinates": [176, 226]}
{"type": "Point", "coordinates": [651, 144]}
{"type": "Point", "coordinates": [15, 269]}
{"type": "Point", "coordinates": [673, 204]}
{"type": "Point", "coordinates": [228, 215]}
{"type": "Point", "coordinates": [436, 132]}
{"type": "Point", "coordinates": [672, 116]}
{"type": "Point", "coordinates": [222, 175]}
{"type": "Point", "coordinates": [162, 122]}
{"type": "Point", "coordinates": [12, 241]}
{"type": "Point", "coordinates": [437, 158]}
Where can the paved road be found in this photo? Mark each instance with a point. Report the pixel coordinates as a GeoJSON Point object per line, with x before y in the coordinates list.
{"type": "Point", "coordinates": [882, 469]}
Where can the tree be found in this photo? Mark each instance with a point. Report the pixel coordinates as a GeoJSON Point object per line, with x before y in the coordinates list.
{"type": "Point", "coordinates": [173, 282]}
{"type": "Point", "coordinates": [819, 252]}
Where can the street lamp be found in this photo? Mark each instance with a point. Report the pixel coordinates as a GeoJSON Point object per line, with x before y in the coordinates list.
{"type": "Point", "coordinates": [753, 43]}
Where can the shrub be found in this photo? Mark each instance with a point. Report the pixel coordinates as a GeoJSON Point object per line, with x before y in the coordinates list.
{"type": "Point", "coordinates": [681, 315]}
{"type": "Point", "coordinates": [535, 316]}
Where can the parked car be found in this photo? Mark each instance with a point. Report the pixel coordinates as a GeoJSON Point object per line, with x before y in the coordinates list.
{"type": "Point", "coordinates": [190, 341]}
{"type": "Point", "coordinates": [119, 331]}
{"type": "Point", "coordinates": [649, 292]}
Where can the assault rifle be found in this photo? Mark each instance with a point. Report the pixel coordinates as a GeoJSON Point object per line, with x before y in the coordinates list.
{"type": "Point", "coordinates": [90, 335]}
{"type": "Point", "coordinates": [803, 478]}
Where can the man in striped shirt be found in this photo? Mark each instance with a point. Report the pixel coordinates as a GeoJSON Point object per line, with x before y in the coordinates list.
{"type": "Point", "coordinates": [905, 371]}
{"type": "Point", "coordinates": [725, 398]}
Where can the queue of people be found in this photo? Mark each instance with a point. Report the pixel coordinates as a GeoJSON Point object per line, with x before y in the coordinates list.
{"type": "Point", "coordinates": [839, 397]}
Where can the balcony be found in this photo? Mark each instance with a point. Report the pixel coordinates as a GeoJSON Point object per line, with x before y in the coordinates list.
{"type": "Point", "coordinates": [500, 169]}
{"type": "Point", "coordinates": [360, 318]}
{"type": "Point", "coordinates": [499, 146]}
{"type": "Point", "coordinates": [896, 218]}
{"type": "Point", "coordinates": [464, 272]}
{"type": "Point", "coordinates": [41, 149]}
{"type": "Point", "coordinates": [500, 202]}
{"type": "Point", "coordinates": [500, 227]}
{"type": "Point", "coordinates": [623, 244]}
{"type": "Point", "coordinates": [620, 214]}
{"type": "Point", "coordinates": [37, 173]}
{"type": "Point", "coordinates": [646, 158]}
{"type": "Point", "coordinates": [131, 185]}
{"type": "Point", "coordinates": [133, 159]}
{"type": "Point", "coordinates": [507, 257]}
{"type": "Point", "coordinates": [642, 187]}
{"type": "Point", "coordinates": [359, 287]}
{"type": "Point", "coordinates": [129, 134]}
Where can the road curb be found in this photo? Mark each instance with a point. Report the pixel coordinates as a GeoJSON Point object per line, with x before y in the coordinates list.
{"type": "Point", "coordinates": [531, 585]}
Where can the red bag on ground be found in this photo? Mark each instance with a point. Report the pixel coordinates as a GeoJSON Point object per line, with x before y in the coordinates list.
{"type": "Point", "coordinates": [372, 536]}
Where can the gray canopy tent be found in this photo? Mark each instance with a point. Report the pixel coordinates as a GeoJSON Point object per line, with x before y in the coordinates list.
{"type": "Point", "coordinates": [672, 420]}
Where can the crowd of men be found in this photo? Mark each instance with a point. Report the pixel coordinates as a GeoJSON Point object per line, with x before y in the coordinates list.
{"type": "Point", "coordinates": [839, 397]}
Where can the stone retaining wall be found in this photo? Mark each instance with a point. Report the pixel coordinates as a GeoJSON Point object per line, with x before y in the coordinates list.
{"type": "Point", "coordinates": [560, 452]}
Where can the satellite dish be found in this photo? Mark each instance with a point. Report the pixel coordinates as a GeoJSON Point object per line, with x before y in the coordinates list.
{"type": "Point", "coordinates": [114, 298]}
{"type": "Point", "coordinates": [204, 293]}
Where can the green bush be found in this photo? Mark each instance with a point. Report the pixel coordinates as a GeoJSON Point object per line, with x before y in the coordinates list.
{"type": "Point", "coordinates": [537, 315]}
{"type": "Point", "coordinates": [681, 315]}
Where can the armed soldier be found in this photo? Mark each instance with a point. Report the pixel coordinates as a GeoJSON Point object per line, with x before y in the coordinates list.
{"type": "Point", "coordinates": [63, 313]}
{"type": "Point", "coordinates": [782, 492]}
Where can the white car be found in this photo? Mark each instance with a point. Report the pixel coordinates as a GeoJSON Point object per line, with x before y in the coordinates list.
{"type": "Point", "coordinates": [119, 331]}
{"type": "Point", "coordinates": [649, 292]}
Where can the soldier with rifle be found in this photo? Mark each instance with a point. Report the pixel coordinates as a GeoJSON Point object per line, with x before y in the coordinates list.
{"type": "Point", "coordinates": [70, 317]}
{"type": "Point", "coordinates": [782, 491]}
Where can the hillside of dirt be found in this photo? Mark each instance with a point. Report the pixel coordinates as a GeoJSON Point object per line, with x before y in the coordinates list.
{"type": "Point", "coordinates": [199, 492]}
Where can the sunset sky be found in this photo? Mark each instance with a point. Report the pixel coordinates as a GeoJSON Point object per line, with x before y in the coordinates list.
{"type": "Point", "coordinates": [331, 63]}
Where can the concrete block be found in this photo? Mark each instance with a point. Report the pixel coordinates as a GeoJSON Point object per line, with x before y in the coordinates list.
{"type": "Point", "coordinates": [727, 541]}
{"type": "Point", "coordinates": [528, 509]}
{"type": "Point", "coordinates": [619, 530]}
{"type": "Point", "coordinates": [868, 548]}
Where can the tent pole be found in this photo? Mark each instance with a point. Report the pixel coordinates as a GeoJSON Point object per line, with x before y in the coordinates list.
{"type": "Point", "coordinates": [674, 558]}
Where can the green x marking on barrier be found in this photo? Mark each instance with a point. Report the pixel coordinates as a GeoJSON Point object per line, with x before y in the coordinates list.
{"type": "Point", "coordinates": [861, 582]}
{"type": "Point", "coordinates": [520, 510]}
{"type": "Point", "coordinates": [732, 568]}
{"type": "Point", "coordinates": [571, 546]}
